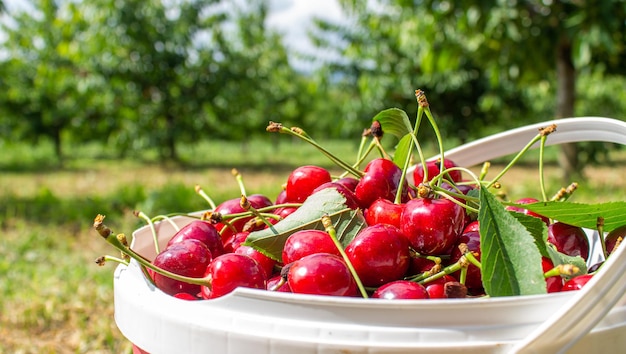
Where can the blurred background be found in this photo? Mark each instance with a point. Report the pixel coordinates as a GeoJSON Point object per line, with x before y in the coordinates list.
{"type": "Point", "coordinates": [109, 106]}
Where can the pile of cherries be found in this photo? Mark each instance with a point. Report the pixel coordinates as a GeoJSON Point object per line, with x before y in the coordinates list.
{"type": "Point", "coordinates": [418, 247]}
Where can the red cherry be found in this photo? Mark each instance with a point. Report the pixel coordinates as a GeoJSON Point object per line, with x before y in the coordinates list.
{"type": "Point", "coordinates": [303, 180]}
{"type": "Point", "coordinates": [436, 291]}
{"type": "Point", "coordinates": [610, 240]}
{"type": "Point", "coordinates": [321, 274]}
{"type": "Point", "coordinates": [348, 182]}
{"type": "Point", "coordinates": [233, 206]}
{"type": "Point", "coordinates": [277, 280]}
{"type": "Point", "coordinates": [203, 232]}
{"type": "Point", "coordinates": [433, 170]}
{"type": "Point", "coordinates": [383, 211]}
{"type": "Point", "coordinates": [381, 180]}
{"type": "Point", "coordinates": [233, 241]}
{"type": "Point", "coordinates": [401, 289]}
{"type": "Point", "coordinates": [577, 282]}
{"type": "Point", "coordinates": [568, 239]}
{"type": "Point", "coordinates": [264, 261]}
{"type": "Point", "coordinates": [230, 271]}
{"type": "Point", "coordinates": [305, 242]}
{"type": "Point", "coordinates": [526, 211]}
{"type": "Point", "coordinates": [432, 226]}
{"type": "Point", "coordinates": [188, 258]}
{"type": "Point", "coordinates": [473, 279]}
{"type": "Point", "coordinates": [379, 254]}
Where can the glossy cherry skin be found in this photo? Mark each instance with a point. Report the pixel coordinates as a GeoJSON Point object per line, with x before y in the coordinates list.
{"type": "Point", "coordinates": [381, 180]}
{"type": "Point", "coordinates": [432, 226]}
{"type": "Point", "coordinates": [348, 182]}
{"type": "Point", "coordinates": [305, 242]}
{"type": "Point", "coordinates": [379, 254]}
{"type": "Point", "coordinates": [433, 170]}
{"type": "Point", "coordinates": [274, 284]}
{"type": "Point", "coordinates": [401, 289]}
{"type": "Point", "coordinates": [473, 279]}
{"type": "Point", "coordinates": [234, 240]}
{"type": "Point", "coordinates": [203, 232]}
{"type": "Point", "coordinates": [264, 261]}
{"type": "Point", "coordinates": [230, 271]}
{"type": "Point", "coordinates": [321, 274]}
{"type": "Point", "coordinates": [611, 238]}
{"type": "Point", "coordinates": [383, 211]}
{"type": "Point", "coordinates": [526, 211]}
{"type": "Point", "coordinates": [233, 206]}
{"type": "Point", "coordinates": [577, 282]}
{"type": "Point", "coordinates": [188, 258]}
{"type": "Point", "coordinates": [303, 180]}
{"type": "Point", "coordinates": [553, 284]}
{"type": "Point", "coordinates": [568, 239]}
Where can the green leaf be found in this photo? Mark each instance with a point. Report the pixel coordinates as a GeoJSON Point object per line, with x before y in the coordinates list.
{"type": "Point", "coordinates": [537, 229]}
{"type": "Point", "coordinates": [329, 201]}
{"type": "Point", "coordinates": [394, 121]}
{"type": "Point", "coordinates": [403, 149]}
{"type": "Point", "coordinates": [510, 258]}
{"type": "Point", "coordinates": [582, 215]}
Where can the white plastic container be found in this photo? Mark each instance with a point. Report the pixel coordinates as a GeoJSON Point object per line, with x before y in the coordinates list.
{"type": "Point", "coordinates": [257, 321]}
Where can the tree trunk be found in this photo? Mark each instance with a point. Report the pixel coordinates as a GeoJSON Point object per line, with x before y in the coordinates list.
{"type": "Point", "coordinates": [565, 99]}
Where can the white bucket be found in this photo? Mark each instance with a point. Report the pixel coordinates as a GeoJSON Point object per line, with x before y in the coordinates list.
{"type": "Point", "coordinates": [258, 321]}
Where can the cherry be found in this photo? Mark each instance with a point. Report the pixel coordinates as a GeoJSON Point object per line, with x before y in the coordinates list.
{"type": "Point", "coordinates": [383, 211]}
{"type": "Point", "coordinates": [568, 239]}
{"type": "Point", "coordinates": [473, 279]}
{"type": "Point", "coordinates": [277, 280]}
{"type": "Point", "coordinates": [432, 225]}
{"type": "Point", "coordinates": [379, 254]}
{"type": "Point", "coordinates": [401, 289]}
{"type": "Point", "coordinates": [611, 238]}
{"type": "Point", "coordinates": [381, 180]}
{"type": "Point", "coordinates": [281, 198]}
{"type": "Point", "coordinates": [348, 182]}
{"type": "Point", "coordinates": [233, 241]}
{"type": "Point", "coordinates": [185, 296]}
{"type": "Point", "coordinates": [203, 232]}
{"type": "Point", "coordinates": [264, 261]}
{"type": "Point", "coordinates": [526, 211]}
{"type": "Point", "coordinates": [189, 258]}
{"type": "Point", "coordinates": [305, 242]}
{"type": "Point", "coordinates": [303, 180]}
{"type": "Point", "coordinates": [553, 284]}
{"type": "Point", "coordinates": [433, 170]}
{"type": "Point", "coordinates": [436, 288]}
{"type": "Point", "coordinates": [577, 282]}
{"type": "Point", "coordinates": [230, 271]}
{"type": "Point", "coordinates": [321, 274]}
{"type": "Point", "coordinates": [233, 206]}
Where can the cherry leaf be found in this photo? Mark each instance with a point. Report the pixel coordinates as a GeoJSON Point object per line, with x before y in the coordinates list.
{"type": "Point", "coordinates": [510, 258]}
{"type": "Point", "coordinates": [582, 215]}
{"type": "Point", "coordinates": [329, 201]}
{"type": "Point", "coordinates": [403, 149]}
{"type": "Point", "coordinates": [537, 228]}
{"type": "Point", "coordinates": [560, 258]}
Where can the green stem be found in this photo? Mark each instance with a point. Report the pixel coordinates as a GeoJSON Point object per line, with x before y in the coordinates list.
{"type": "Point", "coordinates": [433, 123]}
{"type": "Point", "coordinates": [514, 160]}
{"type": "Point", "coordinates": [542, 184]}
{"type": "Point", "coordinates": [327, 153]}
{"type": "Point", "coordinates": [142, 215]}
{"type": "Point", "coordinates": [330, 229]}
{"type": "Point", "coordinates": [206, 197]}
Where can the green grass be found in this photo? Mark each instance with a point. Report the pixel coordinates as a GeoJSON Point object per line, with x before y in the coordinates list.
{"type": "Point", "coordinates": [56, 300]}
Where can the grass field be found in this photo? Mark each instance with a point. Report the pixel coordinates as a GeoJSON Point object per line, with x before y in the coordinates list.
{"type": "Point", "coordinates": [56, 300]}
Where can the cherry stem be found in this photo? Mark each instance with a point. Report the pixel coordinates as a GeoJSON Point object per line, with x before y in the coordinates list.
{"type": "Point", "coordinates": [277, 127]}
{"type": "Point", "coordinates": [542, 184]}
{"type": "Point", "coordinates": [142, 215]}
{"type": "Point", "coordinates": [330, 229]}
{"type": "Point", "coordinates": [245, 204]}
{"type": "Point", "coordinates": [435, 127]}
{"type": "Point", "coordinates": [206, 197]}
{"type": "Point", "coordinates": [514, 160]}
{"type": "Point", "coordinates": [168, 219]}
{"type": "Point", "coordinates": [102, 260]}
{"type": "Point", "coordinates": [600, 228]}
{"type": "Point", "coordinates": [239, 179]}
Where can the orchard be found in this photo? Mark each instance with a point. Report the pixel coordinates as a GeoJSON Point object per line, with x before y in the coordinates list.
{"type": "Point", "coordinates": [391, 225]}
